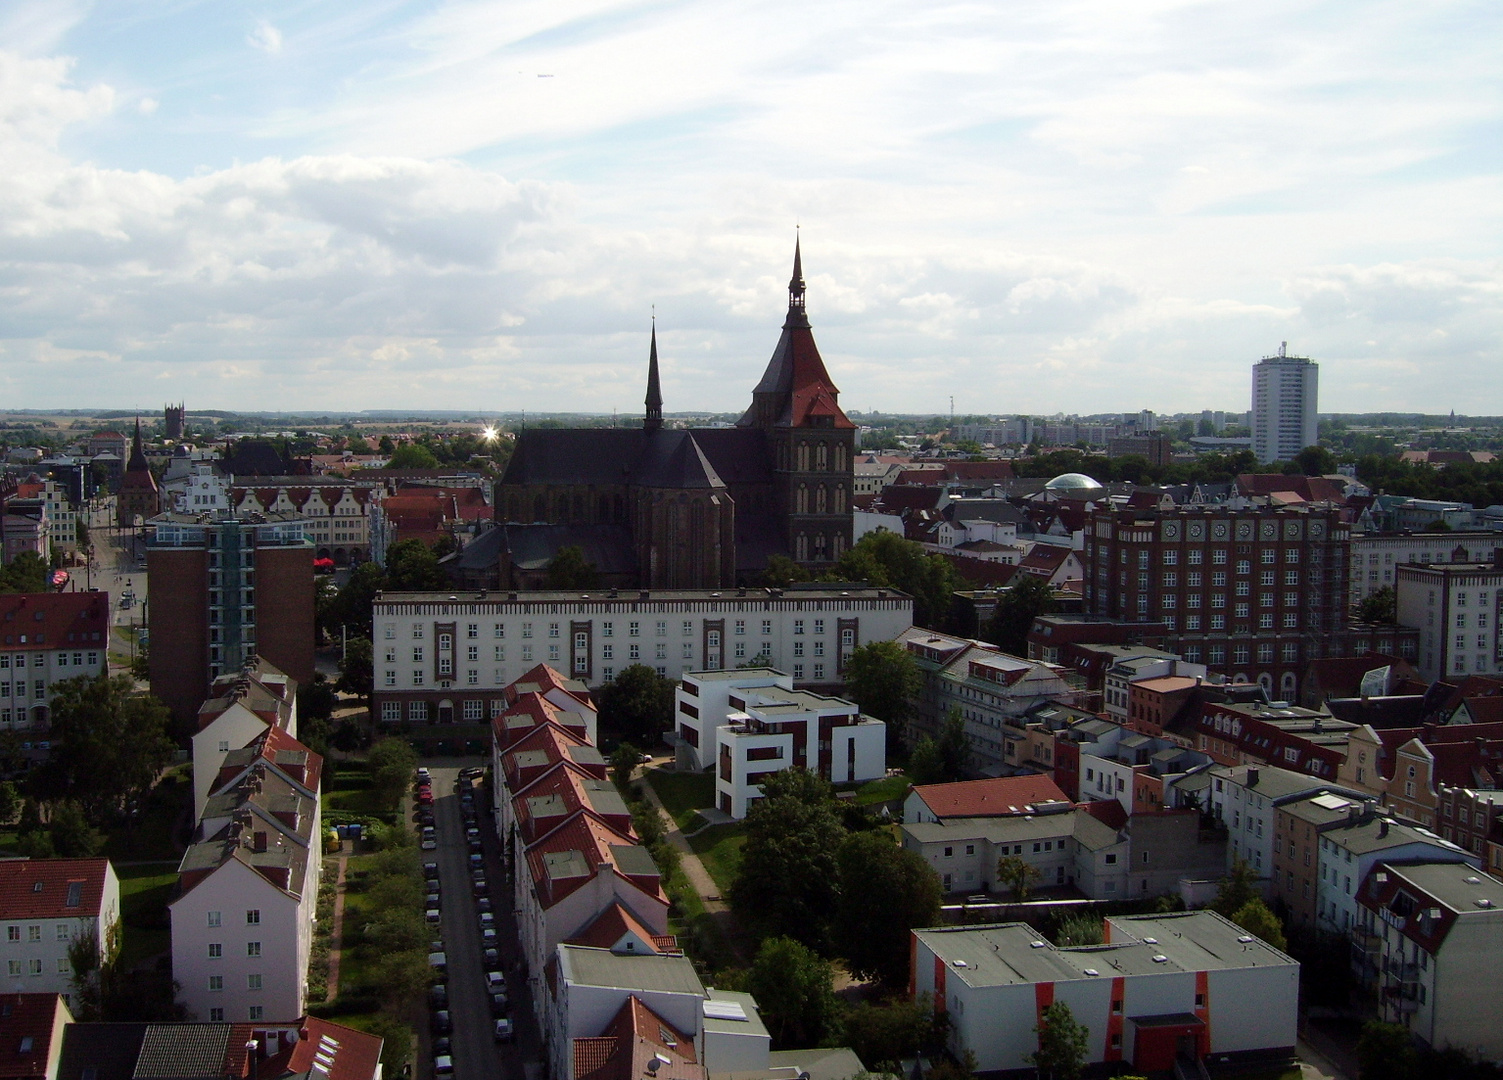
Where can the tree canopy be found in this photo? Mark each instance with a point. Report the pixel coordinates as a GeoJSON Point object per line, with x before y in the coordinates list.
{"type": "Point", "coordinates": [637, 705]}
{"type": "Point", "coordinates": [1062, 1044]}
{"type": "Point", "coordinates": [26, 573]}
{"type": "Point", "coordinates": [1026, 598]}
{"type": "Point", "coordinates": [882, 677]}
{"type": "Point", "coordinates": [411, 566]}
{"type": "Point", "coordinates": [794, 992]}
{"type": "Point", "coordinates": [357, 668]}
{"type": "Point", "coordinates": [789, 879]}
{"type": "Point", "coordinates": [109, 743]}
{"type": "Point", "coordinates": [885, 891]}
{"type": "Point", "coordinates": [885, 558]}
{"type": "Point", "coordinates": [1379, 607]}
{"type": "Point", "coordinates": [412, 456]}
{"type": "Point", "coordinates": [569, 569]}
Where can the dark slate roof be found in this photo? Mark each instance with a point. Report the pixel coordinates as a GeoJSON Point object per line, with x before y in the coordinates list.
{"type": "Point", "coordinates": [574, 456]}
{"type": "Point", "coordinates": [609, 547]}
{"type": "Point", "coordinates": [481, 553]}
{"type": "Point", "coordinates": [109, 1049]}
{"type": "Point", "coordinates": [672, 459]}
{"type": "Point", "coordinates": [740, 455]}
{"type": "Point", "coordinates": [180, 1051]}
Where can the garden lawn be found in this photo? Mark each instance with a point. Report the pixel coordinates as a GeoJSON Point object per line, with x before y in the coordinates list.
{"type": "Point", "coordinates": [682, 793]}
{"type": "Point", "coordinates": [719, 848]}
{"type": "Point", "coordinates": [880, 791]}
{"type": "Point", "coordinates": [350, 791]}
{"type": "Point", "coordinates": [168, 809]}
{"type": "Point", "coordinates": [145, 890]}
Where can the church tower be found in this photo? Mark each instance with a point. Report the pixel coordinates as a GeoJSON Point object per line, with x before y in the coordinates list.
{"type": "Point", "coordinates": [811, 440]}
{"type": "Point", "coordinates": [138, 495]}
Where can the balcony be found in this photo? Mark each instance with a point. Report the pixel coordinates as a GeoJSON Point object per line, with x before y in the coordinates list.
{"type": "Point", "coordinates": [1367, 943]}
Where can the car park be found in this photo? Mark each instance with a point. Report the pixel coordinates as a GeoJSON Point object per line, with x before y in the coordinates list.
{"type": "Point", "coordinates": [503, 1030]}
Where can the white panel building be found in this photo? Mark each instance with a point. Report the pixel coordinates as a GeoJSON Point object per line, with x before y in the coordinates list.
{"type": "Point", "coordinates": [1284, 392]}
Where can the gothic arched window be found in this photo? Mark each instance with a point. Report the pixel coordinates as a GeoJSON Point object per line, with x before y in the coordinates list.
{"type": "Point", "coordinates": [820, 500]}
{"type": "Point", "coordinates": [821, 457]}
{"type": "Point", "coordinates": [840, 498]}
{"type": "Point", "coordinates": [801, 548]}
{"type": "Point", "coordinates": [803, 457]}
{"type": "Point", "coordinates": [801, 500]}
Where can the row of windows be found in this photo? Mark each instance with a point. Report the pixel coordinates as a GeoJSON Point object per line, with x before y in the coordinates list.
{"type": "Point", "coordinates": [216, 949]}
{"type": "Point", "coordinates": [607, 629]}
{"type": "Point", "coordinates": [34, 967]}
{"type": "Point", "coordinates": [60, 659]}
{"type": "Point", "coordinates": [216, 983]}
{"type": "Point", "coordinates": [1219, 557]}
{"type": "Point", "coordinates": [252, 917]}
{"type": "Point", "coordinates": [34, 932]}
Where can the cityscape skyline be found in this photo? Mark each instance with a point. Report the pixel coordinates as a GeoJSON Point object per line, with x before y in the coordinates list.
{"type": "Point", "coordinates": [1063, 209]}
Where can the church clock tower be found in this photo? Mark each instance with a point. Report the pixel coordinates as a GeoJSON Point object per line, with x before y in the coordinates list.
{"type": "Point", "coordinates": [811, 440]}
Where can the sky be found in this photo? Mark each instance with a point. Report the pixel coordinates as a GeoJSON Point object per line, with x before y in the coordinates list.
{"type": "Point", "coordinates": [1032, 207]}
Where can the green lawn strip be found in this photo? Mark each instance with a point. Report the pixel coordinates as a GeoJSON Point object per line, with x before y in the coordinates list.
{"type": "Point", "coordinates": [719, 849]}
{"type": "Point", "coordinates": [682, 793]}
{"type": "Point", "coordinates": [699, 935]}
{"type": "Point", "coordinates": [145, 891]}
{"type": "Point", "coordinates": [883, 790]}
{"type": "Point", "coordinates": [357, 958]}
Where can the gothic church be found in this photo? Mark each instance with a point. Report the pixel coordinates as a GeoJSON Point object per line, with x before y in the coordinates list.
{"type": "Point", "coordinates": [691, 508]}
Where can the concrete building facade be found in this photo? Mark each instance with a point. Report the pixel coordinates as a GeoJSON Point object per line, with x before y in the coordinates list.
{"type": "Point", "coordinates": [1284, 393]}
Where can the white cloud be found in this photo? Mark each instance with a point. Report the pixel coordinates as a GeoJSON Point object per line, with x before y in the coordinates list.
{"type": "Point", "coordinates": [265, 37]}
{"type": "Point", "coordinates": [1041, 206]}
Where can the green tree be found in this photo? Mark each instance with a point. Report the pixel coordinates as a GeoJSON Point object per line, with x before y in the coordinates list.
{"type": "Point", "coordinates": [357, 669]}
{"type": "Point", "coordinates": [10, 802]}
{"type": "Point", "coordinates": [883, 1036]}
{"type": "Point", "coordinates": [637, 705]}
{"type": "Point", "coordinates": [1387, 1052]}
{"type": "Point", "coordinates": [885, 891]}
{"type": "Point", "coordinates": [782, 571]}
{"type": "Point", "coordinates": [925, 764]}
{"type": "Point", "coordinates": [1256, 918]}
{"type": "Point", "coordinates": [569, 569]}
{"type": "Point", "coordinates": [1236, 889]}
{"type": "Point", "coordinates": [356, 445]}
{"type": "Point", "coordinates": [788, 884]}
{"type": "Point", "coordinates": [386, 446]}
{"type": "Point", "coordinates": [72, 836]}
{"type": "Point", "coordinates": [624, 761]}
{"type": "Point", "coordinates": [109, 743]}
{"type": "Point", "coordinates": [954, 748]}
{"type": "Point", "coordinates": [349, 609]}
{"type": "Point", "coordinates": [1315, 461]}
{"type": "Point", "coordinates": [1028, 597]}
{"type": "Point", "coordinates": [1379, 607]}
{"type": "Point", "coordinates": [882, 677]}
{"type": "Point", "coordinates": [1062, 1044]}
{"type": "Point", "coordinates": [391, 762]}
{"type": "Point", "coordinates": [885, 558]}
{"type": "Point", "coordinates": [316, 700]}
{"type": "Point", "coordinates": [1079, 930]}
{"type": "Point", "coordinates": [411, 566]}
{"type": "Point", "coordinates": [26, 573]}
{"type": "Point", "coordinates": [412, 456]}
{"type": "Point", "coordinates": [1019, 876]}
{"type": "Point", "coordinates": [794, 992]}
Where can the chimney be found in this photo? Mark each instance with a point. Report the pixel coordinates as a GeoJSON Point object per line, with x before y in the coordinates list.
{"type": "Point", "coordinates": [260, 842]}
{"type": "Point", "coordinates": [1382, 828]}
{"type": "Point", "coordinates": [1252, 777]}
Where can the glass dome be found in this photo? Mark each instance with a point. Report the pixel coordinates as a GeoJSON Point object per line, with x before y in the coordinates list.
{"type": "Point", "coordinates": [1072, 481]}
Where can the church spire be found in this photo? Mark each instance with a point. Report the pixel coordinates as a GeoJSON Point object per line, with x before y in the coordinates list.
{"type": "Point", "coordinates": [654, 418]}
{"type": "Point", "coordinates": [137, 460]}
{"type": "Point", "coordinates": [796, 283]}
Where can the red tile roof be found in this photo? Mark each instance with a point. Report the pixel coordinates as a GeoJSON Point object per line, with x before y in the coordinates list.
{"type": "Point", "coordinates": [21, 898]}
{"type": "Point", "coordinates": [632, 1039]}
{"type": "Point", "coordinates": [33, 622]}
{"type": "Point", "coordinates": [572, 854]}
{"type": "Point", "coordinates": [352, 1054]}
{"type": "Point", "coordinates": [1109, 812]}
{"type": "Point", "coordinates": [614, 923]}
{"type": "Point", "coordinates": [998, 797]}
{"type": "Point", "coordinates": [27, 1029]}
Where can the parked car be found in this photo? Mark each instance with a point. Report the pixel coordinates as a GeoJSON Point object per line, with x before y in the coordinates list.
{"type": "Point", "coordinates": [422, 775]}
{"type": "Point", "coordinates": [429, 843]}
{"type": "Point", "coordinates": [504, 1032]}
{"type": "Point", "coordinates": [430, 871]}
{"type": "Point", "coordinates": [487, 920]}
{"type": "Point", "coordinates": [477, 862]}
{"type": "Point", "coordinates": [441, 1045]}
{"type": "Point", "coordinates": [484, 904]}
{"type": "Point", "coordinates": [432, 916]}
{"type": "Point", "coordinates": [425, 797]}
{"type": "Point", "coordinates": [472, 772]}
{"type": "Point", "coordinates": [438, 960]}
{"type": "Point", "coordinates": [491, 958]}
{"type": "Point", "coordinates": [495, 982]}
{"type": "Point", "coordinates": [480, 887]}
{"type": "Point", "coordinates": [443, 1065]}
{"type": "Point", "coordinates": [438, 996]}
{"type": "Point", "coordinates": [488, 936]}
{"type": "Point", "coordinates": [472, 833]}
{"type": "Point", "coordinates": [440, 1022]}
{"type": "Point", "coordinates": [498, 1005]}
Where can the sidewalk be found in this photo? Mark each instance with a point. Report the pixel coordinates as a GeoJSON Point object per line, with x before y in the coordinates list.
{"type": "Point", "coordinates": [336, 932]}
{"type": "Point", "coordinates": [694, 870]}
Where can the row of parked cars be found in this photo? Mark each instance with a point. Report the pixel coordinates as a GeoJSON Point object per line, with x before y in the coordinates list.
{"type": "Point", "coordinates": [495, 980]}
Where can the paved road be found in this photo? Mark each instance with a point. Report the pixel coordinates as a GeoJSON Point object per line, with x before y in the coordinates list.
{"type": "Point", "coordinates": [476, 1055]}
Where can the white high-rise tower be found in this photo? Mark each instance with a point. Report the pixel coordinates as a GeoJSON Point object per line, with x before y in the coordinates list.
{"type": "Point", "coordinates": [1283, 405]}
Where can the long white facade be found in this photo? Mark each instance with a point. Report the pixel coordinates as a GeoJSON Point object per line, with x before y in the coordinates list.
{"type": "Point", "coordinates": [453, 654]}
{"type": "Point", "coordinates": [1284, 392]}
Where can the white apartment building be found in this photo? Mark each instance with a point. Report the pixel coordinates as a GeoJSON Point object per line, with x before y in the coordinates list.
{"type": "Point", "coordinates": [1244, 797]}
{"type": "Point", "coordinates": [1455, 607]}
{"type": "Point", "coordinates": [1284, 391]}
{"type": "Point", "coordinates": [240, 707]}
{"type": "Point", "coordinates": [774, 727]}
{"type": "Point", "coordinates": [242, 928]}
{"type": "Point", "coordinates": [1377, 556]}
{"type": "Point", "coordinates": [194, 488]}
{"type": "Point", "coordinates": [48, 904]}
{"type": "Point", "coordinates": [991, 689]}
{"type": "Point", "coordinates": [44, 639]}
{"type": "Point", "coordinates": [1428, 943]}
{"type": "Point", "coordinates": [336, 511]}
{"type": "Point", "coordinates": [454, 653]}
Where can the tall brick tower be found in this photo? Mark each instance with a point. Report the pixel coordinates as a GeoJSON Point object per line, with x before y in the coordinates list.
{"type": "Point", "coordinates": [813, 442]}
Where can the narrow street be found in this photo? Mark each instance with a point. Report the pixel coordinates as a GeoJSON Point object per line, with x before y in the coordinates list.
{"type": "Point", "coordinates": [476, 1054]}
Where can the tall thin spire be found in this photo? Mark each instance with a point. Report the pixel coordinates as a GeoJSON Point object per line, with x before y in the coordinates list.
{"type": "Point", "coordinates": [796, 283]}
{"type": "Point", "coordinates": [654, 418]}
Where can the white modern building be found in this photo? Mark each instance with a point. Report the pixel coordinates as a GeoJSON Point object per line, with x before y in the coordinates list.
{"type": "Point", "coordinates": [242, 926]}
{"type": "Point", "coordinates": [454, 653]}
{"type": "Point", "coordinates": [1455, 607]}
{"type": "Point", "coordinates": [750, 723]}
{"type": "Point", "coordinates": [45, 906]}
{"type": "Point", "coordinates": [1162, 986]}
{"type": "Point", "coordinates": [1284, 390]}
